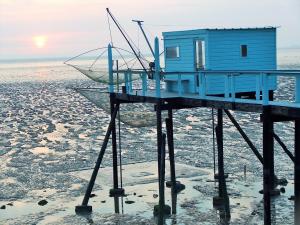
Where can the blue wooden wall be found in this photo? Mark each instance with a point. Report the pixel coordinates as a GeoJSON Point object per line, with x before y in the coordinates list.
{"type": "Point", "coordinates": [223, 52]}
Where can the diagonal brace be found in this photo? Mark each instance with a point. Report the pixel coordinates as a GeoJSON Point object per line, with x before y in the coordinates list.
{"type": "Point", "coordinates": [100, 157]}
{"type": "Point", "coordinates": [285, 149]}
{"type": "Point", "coordinates": [246, 138]}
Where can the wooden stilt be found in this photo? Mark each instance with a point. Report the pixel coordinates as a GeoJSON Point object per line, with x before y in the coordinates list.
{"type": "Point", "coordinates": [162, 173]}
{"type": "Point", "coordinates": [169, 126]}
{"type": "Point", "coordinates": [267, 163]}
{"type": "Point", "coordinates": [114, 147]}
{"type": "Point", "coordinates": [161, 208]}
{"type": "Point", "coordinates": [84, 207]}
{"type": "Point", "coordinates": [115, 191]}
{"type": "Point", "coordinates": [297, 172]}
{"type": "Point", "coordinates": [176, 186]}
{"type": "Point", "coordinates": [222, 201]}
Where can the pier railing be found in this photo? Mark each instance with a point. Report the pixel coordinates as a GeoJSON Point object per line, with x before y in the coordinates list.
{"type": "Point", "coordinates": [153, 87]}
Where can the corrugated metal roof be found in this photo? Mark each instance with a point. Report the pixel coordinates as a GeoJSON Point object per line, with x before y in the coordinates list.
{"type": "Point", "coordinates": [242, 28]}
{"type": "Point", "coordinates": [195, 31]}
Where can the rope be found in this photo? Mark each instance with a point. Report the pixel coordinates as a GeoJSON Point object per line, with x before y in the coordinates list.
{"type": "Point", "coordinates": [121, 56]}
{"type": "Point", "coordinates": [129, 40]}
{"type": "Point", "coordinates": [214, 145]}
{"type": "Point", "coordinates": [65, 62]}
{"type": "Point", "coordinates": [133, 64]}
{"type": "Point", "coordinates": [98, 57]}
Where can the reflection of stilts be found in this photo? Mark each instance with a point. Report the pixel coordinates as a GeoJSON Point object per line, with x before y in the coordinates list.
{"type": "Point", "coordinates": [222, 200]}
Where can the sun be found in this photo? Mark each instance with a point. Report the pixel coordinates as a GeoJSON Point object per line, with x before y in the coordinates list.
{"type": "Point", "coordinates": [40, 41]}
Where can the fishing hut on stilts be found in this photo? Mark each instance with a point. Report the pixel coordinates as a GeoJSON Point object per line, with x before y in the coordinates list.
{"type": "Point", "coordinates": [222, 69]}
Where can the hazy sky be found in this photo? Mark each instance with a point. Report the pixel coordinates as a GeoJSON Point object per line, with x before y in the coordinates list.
{"type": "Point", "coordinates": [41, 28]}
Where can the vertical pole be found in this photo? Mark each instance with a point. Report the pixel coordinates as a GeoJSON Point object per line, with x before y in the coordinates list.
{"type": "Point", "coordinates": [297, 89]}
{"type": "Point", "coordinates": [144, 83]}
{"type": "Point", "coordinates": [117, 206]}
{"type": "Point", "coordinates": [162, 173]}
{"type": "Point", "coordinates": [161, 208]}
{"type": "Point", "coordinates": [221, 175]}
{"type": "Point", "coordinates": [179, 86]}
{"type": "Point", "coordinates": [297, 171]}
{"type": "Point", "coordinates": [169, 126]}
{"type": "Point", "coordinates": [265, 89]}
{"type": "Point", "coordinates": [271, 95]}
{"type": "Point", "coordinates": [267, 164]}
{"type": "Point", "coordinates": [202, 86]}
{"type": "Point", "coordinates": [114, 146]}
{"type": "Point", "coordinates": [159, 143]}
{"type": "Point", "coordinates": [219, 133]}
{"type": "Point", "coordinates": [110, 69]}
{"type": "Point", "coordinates": [130, 82]}
{"type": "Point", "coordinates": [84, 206]}
{"type": "Point", "coordinates": [157, 67]}
{"type": "Point", "coordinates": [226, 86]}
{"type": "Point", "coordinates": [115, 192]}
{"type": "Point", "coordinates": [257, 91]}
{"type": "Point", "coordinates": [233, 89]}
{"type": "Point", "coordinates": [126, 82]}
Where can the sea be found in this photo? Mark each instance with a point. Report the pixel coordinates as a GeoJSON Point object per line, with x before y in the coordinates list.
{"type": "Point", "coordinates": [49, 133]}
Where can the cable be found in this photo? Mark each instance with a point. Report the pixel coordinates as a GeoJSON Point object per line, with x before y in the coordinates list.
{"type": "Point", "coordinates": [128, 40]}
{"type": "Point", "coordinates": [98, 57]}
{"type": "Point", "coordinates": [65, 62]}
{"type": "Point", "coordinates": [121, 56]}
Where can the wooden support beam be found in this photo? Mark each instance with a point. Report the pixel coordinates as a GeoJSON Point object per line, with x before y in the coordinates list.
{"type": "Point", "coordinates": [278, 118]}
{"type": "Point", "coordinates": [297, 172]}
{"type": "Point", "coordinates": [169, 126]}
{"type": "Point", "coordinates": [162, 173]}
{"type": "Point", "coordinates": [161, 208]}
{"type": "Point", "coordinates": [268, 151]}
{"type": "Point", "coordinates": [84, 207]}
{"type": "Point", "coordinates": [223, 195]}
{"type": "Point", "coordinates": [115, 191]}
{"type": "Point", "coordinates": [246, 138]}
{"type": "Point", "coordinates": [114, 147]}
{"type": "Point", "coordinates": [168, 107]}
{"type": "Point", "coordinates": [283, 146]}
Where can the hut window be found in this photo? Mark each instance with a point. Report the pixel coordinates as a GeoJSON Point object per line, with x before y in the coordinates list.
{"type": "Point", "coordinates": [244, 50]}
{"type": "Point", "coordinates": [172, 52]}
{"type": "Point", "coordinates": [200, 54]}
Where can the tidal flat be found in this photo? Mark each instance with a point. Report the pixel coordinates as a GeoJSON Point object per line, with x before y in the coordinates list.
{"type": "Point", "coordinates": [51, 135]}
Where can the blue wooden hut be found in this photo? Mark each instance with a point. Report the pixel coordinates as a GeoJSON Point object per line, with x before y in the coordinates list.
{"type": "Point", "coordinates": [219, 50]}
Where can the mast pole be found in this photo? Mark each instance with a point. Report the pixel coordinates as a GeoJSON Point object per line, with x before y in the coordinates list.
{"type": "Point", "coordinates": [130, 45]}
{"type": "Point", "coordinates": [139, 22]}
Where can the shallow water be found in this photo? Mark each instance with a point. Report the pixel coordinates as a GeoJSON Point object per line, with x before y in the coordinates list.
{"type": "Point", "coordinates": [48, 131]}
